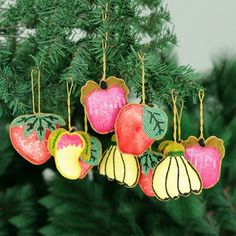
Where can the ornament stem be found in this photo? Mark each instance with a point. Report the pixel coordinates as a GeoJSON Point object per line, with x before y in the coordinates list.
{"type": "Point", "coordinates": [174, 99]}
{"type": "Point", "coordinates": [201, 98]}
{"type": "Point", "coordinates": [32, 88]}
{"type": "Point", "coordinates": [69, 91]}
{"type": "Point", "coordinates": [104, 42]}
{"type": "Point", "coordinates": [141, 57]}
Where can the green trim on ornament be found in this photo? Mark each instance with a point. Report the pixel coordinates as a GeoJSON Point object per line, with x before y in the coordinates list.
{"type": "Point", "coordinates": [176, 153]}
{"type": "Point", "coordinates": [149, 160]}
{"type": "Point", "coordinates": [154, 122]}
{"type": "Point", "coordinates": [96, 152]}
{"type": "Point", "coordinates": [39, 123]}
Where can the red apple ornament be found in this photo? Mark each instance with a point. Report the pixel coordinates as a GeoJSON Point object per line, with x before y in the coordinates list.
{"type": "Point", "coordinates": [138, 126]}
{"type": "Point", "coordinates": [206, 157]}
{"type": "Point", "coordinates": [29, 135]}
{"type": "Point", "coordinates": [103, 103]}
{"type": "Point", "coordinates": [148, 161]}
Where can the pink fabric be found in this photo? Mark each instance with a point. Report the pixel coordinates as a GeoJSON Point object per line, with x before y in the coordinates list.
{"type": "Point", "coordinates": [69, 139]}
{"type": "Point", "coordinates": [207, 161]}
{"type": "Point", "coordinates": [103, 107]}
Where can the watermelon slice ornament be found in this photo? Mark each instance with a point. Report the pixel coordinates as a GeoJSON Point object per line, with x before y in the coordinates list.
{"type": "Point", "coordinates": [139, 125]}
{"type": "Point", "coordinates": [205, 155]}
{"type": "Point", "coordinates": [29, 133]}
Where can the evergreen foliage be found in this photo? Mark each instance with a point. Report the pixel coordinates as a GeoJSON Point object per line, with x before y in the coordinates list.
{"type": "Point", "coordinates": [44, 34]}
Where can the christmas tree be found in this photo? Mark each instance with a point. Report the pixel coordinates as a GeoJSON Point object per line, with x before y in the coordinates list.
{"type": "Point", "coordinates": [64, 39]}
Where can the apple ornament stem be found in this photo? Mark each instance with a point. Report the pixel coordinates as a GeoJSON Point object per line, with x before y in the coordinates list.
{"type": "Point", "coordinates": [29, 133]}
{"type": "Point", "coordinates": [139, 125]}
{"type": "Point", "coordinates": [102, 102]}
{"type": "Point", "coordinates": [205, 155]}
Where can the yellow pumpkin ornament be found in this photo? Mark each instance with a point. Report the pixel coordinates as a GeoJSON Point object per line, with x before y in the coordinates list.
{"type": "Point", "coordinates": [174, 176]}
{"type": "Point", "coordinates": [124, 168]}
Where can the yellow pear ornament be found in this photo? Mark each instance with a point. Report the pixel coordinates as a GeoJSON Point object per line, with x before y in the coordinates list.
{"type": "Point", "coordinates": [124, 168]}
{"type": "Point", "coordinates": [174, 176]}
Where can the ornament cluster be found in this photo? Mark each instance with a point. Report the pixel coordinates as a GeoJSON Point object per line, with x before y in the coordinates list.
{"type": "Point", "coordinates": [175, 169]}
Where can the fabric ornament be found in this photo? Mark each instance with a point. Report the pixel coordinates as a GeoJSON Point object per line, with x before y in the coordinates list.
{"type": "Point", "coordinates": [124, 168]}
{"type": "Point", "coordinates": [139, 125]}
{"type": "Point", "coordinates": [174, 176]}
{"type": "Point", "coordinates": [29, 133]}
{"type": "Point", "coordinates": [103, 102]}
{"type": "Point", "coordinates": [205, 155]}
{"type": "Point", "coordinates": [75, 152]}
{"type": "Point", "coordinates": [148, 162]}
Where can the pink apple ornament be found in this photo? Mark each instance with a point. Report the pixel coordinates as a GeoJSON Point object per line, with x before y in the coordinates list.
{"type": "Point", "coordinates": [103, 103]}
{"type": "Point", "coordinates": [206, 157]}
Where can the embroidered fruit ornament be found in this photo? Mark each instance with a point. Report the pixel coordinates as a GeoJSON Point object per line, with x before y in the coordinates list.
{"type": "Point", "coordinates": [139, 125]}
{"type": "Point", "coordinates": [205, 155]}
{"type": "Point", "coordinates": [124, 168]}
{"type": "Point", "coordinates": [29, 133]}
{"type": "Point", "coordinates": [148, 162]}
{"type": "Point", "coordinates": [72, 149]}
{"type": "Point", "coordinates": [174, 176]}
{"type": "Point", "coordinates": [102, 102]}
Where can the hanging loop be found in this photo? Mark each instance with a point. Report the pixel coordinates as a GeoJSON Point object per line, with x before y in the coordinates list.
{"type": "Point", "coordinates": [33, 72]}
{"type": "Point", "coordinates": [179, 118]}
{"type": "Point", "coordinates": [201, 95]}
{"type": "Point", "coordinates": [142, 59]}
{"type": "Point", "coordinates": [69, 87]}
{"type": "Point", "coordinates": [174, 99]}
{"type": "Point", "coordinates": [104, 43]}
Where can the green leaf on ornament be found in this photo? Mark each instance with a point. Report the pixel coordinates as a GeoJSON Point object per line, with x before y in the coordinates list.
{"type": "Point", "coordinates": [154, 122]}
{"type": "Point", "coordinates": [96, 152]}
{"type": "Point", "coordinates": [149, 161]}
{"type": "Point", "coordinates": [38, 123]}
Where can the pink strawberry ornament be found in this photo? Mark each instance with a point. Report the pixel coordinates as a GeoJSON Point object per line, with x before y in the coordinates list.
{"type": "Point", "coordinates": [103, 102]}
{"type": "Point", "coordinates": [206, 157]}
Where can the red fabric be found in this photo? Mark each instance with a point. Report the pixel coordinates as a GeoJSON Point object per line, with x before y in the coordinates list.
{"type": "Point", "coordinates": [130, 135]}
{"type": "Point", "coordinates": [145, 183]}
{"type": "Point", "coordinates": [30, 147]}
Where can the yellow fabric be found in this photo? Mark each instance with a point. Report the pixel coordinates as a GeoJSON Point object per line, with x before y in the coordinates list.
{"type": "Point", "coordinates": [173, 177]}
{"type": "Point", "coordinates": [66, 158]}
{"type": "Point", "coordinates": [67, 162]}
{"type": "Point", "coordinates": [173, 147]}
{"type": "Point", "coordinates": [123, 168]}
{"type": "Point", "coordinates": [86, 153]}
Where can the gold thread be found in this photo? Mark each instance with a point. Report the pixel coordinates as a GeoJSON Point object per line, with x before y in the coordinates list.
{"type": "Point", "coordinates": [85, 123]}
{"type": "Point", "coordinates": [104, 42]}
{"type": "Point", "coordinates": [174, 99]}
{"type": "Point", "coordinates": [179, 118]}
{"type": "Point", "coordinates": [69, 91]}
{"type": "Point", "coordinates": [141, 57]}
{"type": "Point", "coordinates": [32, 89]}
{"type": "Point", "coordinates": [201, 98]}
